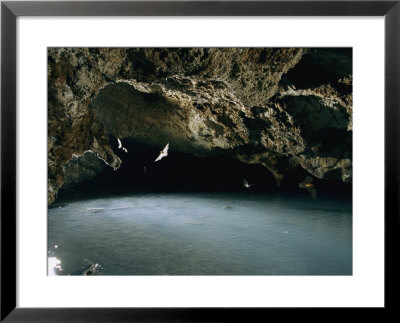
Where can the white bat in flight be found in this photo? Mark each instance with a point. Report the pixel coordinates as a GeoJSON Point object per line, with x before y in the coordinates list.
{"type": "Point", "coordinates": [163, 153]}
{"type": "Point", "coordinates": [246, 184]}
{"type": "Point", "coordinates": [120, 146]}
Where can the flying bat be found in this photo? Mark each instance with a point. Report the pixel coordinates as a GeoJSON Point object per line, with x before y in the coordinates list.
{"type": "Point", "coordinates": [309, 186]}
{"type": "Point", "coordinates": [246, 184]}
{"type": "Point", "coordinates": [120, 146]}
{"type": "Point", "coordinates": [163, 153]}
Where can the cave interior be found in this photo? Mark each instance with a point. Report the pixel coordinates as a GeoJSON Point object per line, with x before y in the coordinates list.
{"type": "Point", "coordinates": [188, 167]}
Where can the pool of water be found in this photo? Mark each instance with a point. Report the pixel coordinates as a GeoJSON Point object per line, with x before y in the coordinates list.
{"type": "Point", "coordinates": [201, 234]}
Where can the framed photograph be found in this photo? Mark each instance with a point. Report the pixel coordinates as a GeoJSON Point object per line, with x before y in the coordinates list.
{"type": "Point", "coordinates": [199, 160]}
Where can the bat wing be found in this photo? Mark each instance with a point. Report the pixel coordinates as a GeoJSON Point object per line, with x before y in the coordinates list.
{"type": "Point", "coordinates": [119, 144]}
{"type": "Point", "coordinates": [165, 150]}
{"type": "Point", "coordinates": [313, 193]}
{"type": "Point", "coordinates": [164, 153]}
{"type": "Point", "coordinates": [245, 182]}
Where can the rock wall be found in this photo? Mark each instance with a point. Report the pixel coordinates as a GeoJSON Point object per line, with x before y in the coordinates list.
{"type": "Point", "coordinates": [276, 107]}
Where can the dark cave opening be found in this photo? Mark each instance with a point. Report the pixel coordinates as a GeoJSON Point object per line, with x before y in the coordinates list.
{"type": "Point", "coordinates": [182, 172]}
{"type": "Point", "coordinates": [332, 64]}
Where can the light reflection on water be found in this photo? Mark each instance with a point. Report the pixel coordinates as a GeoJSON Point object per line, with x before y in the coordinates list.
{"type": "Point", "coordinates": [197, 234]}
{"type": "Point", "coordinates": [53, 266]}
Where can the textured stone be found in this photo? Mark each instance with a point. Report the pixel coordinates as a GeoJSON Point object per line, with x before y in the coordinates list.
{"type": "Point", "coordinates": [253, 104]}
{"type": "Point", "coordinates": [82, 168]}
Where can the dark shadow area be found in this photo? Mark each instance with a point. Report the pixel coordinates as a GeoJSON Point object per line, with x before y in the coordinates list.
{"type": "Point", "coordinates": [180, 172]}
{"type": "Point", "coordinates": [324, 128]}
{"type": "Point", "coordinates": [177, 172]}
{"type": "Point", "coordinates": [321, 66]}
{"type": "Point", "coordinates": [326, 188]}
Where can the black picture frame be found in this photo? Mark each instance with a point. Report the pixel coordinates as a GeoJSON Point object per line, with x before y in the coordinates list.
{"type": "Point", "coordinates": [10, 10]}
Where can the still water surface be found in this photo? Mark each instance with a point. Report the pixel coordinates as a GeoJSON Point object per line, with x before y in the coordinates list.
{"type": "Point", "coordinates": [201, 234]}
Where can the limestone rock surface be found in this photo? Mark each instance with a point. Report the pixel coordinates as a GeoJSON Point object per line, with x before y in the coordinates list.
{"type": "Point", "coordinates": [281, 108]}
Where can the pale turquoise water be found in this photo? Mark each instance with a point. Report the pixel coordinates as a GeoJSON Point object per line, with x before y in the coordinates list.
{"type": "Point", "coordinates": [193, 234]}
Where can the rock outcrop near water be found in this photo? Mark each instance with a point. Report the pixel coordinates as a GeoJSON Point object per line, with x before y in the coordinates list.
{"type": "Point", "coordinates": [280, 108]}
